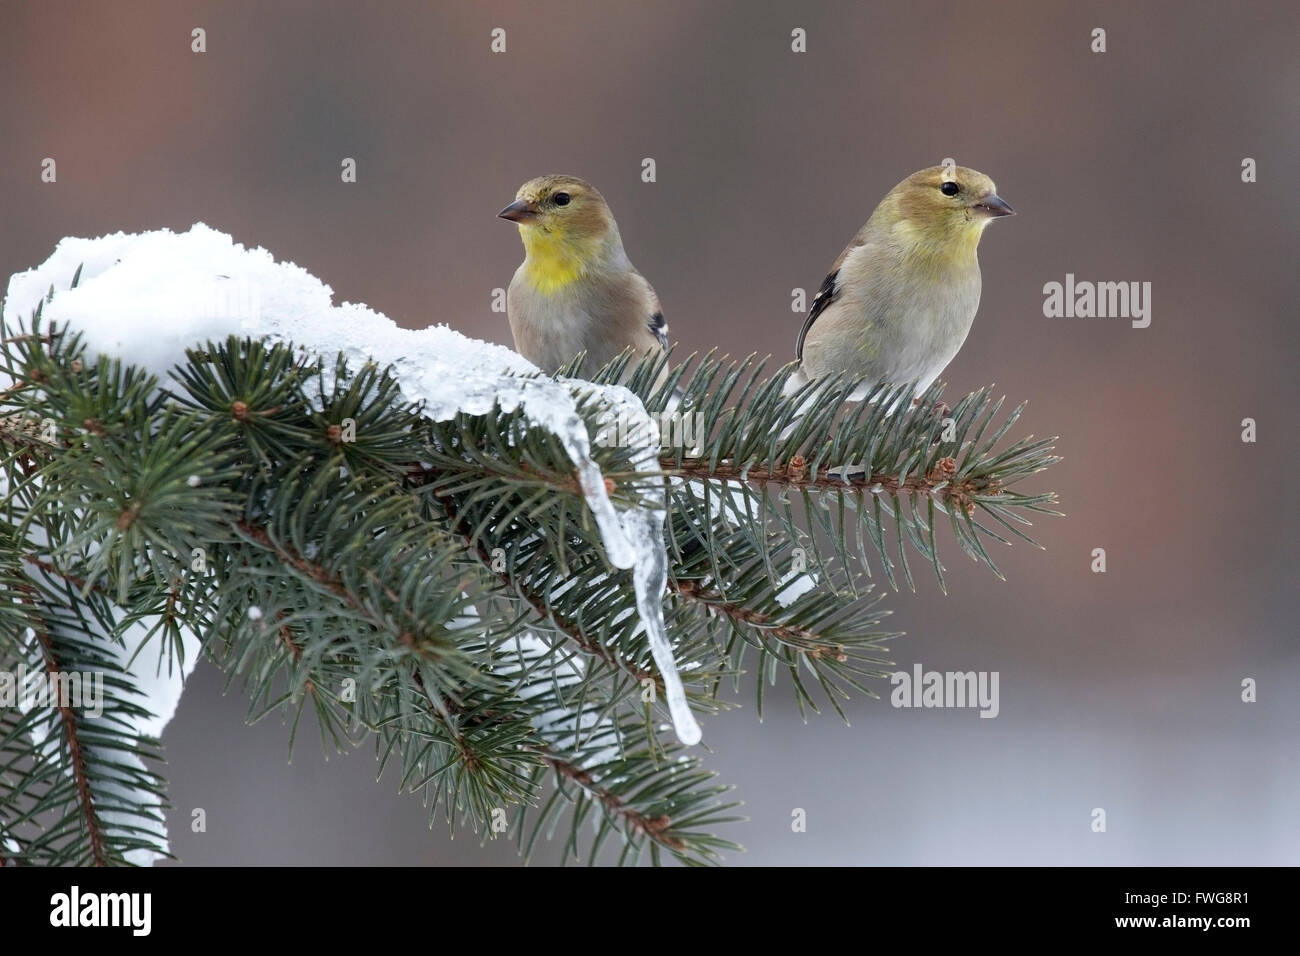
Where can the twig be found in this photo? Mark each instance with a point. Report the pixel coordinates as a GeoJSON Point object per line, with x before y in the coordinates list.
{"type": "Point", "coordinates": [804, 641]}
{"type": "Point", "coordinates": [794, 475]}
{"type": "Point", "coordinates": [69, 720]}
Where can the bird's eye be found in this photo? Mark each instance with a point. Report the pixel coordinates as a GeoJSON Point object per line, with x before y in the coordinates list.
{"type": "Point", "coordinates": [561, 199]}
{"type": "Point", "coordinates": [950, 189]}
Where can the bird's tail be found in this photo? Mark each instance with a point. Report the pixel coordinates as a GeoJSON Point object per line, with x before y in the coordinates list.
{"type": "Point", "coordinates": [795, 382]}
{"type": "Point", "coordinates": [792, 385]}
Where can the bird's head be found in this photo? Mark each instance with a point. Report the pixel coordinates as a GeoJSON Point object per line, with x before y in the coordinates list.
{"type": "Point", "coordinates": [943, 208]}
{"type": "Point", "coordinates": [563, 206]}
{"type": "Point", "coordinates": [566, 228]}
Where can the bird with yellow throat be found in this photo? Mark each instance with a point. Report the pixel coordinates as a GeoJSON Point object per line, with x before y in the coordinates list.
{"type": "Point", "coordinates": [899, 301]}
{"type": "Point", "coordinates": [576, 290]}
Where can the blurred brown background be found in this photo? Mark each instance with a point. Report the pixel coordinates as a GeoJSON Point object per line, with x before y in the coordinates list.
{"type": "Point", "coordinates": [1118, 690]}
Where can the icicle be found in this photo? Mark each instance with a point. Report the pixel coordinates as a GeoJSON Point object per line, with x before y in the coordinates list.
{"type": "Point", "coordinates": [645, 529]}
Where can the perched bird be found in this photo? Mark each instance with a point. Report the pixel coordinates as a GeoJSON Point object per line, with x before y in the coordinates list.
{"type": "Point", "coordinates": [576, 290]}
{"type": "Point", "coordinates": [901, 297]}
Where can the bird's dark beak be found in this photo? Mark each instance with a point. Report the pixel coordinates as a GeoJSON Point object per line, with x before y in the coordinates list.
{"type": "Point", "coordinates": [994, 206]}
{"type": "Point", "coordinates": [521, 210]}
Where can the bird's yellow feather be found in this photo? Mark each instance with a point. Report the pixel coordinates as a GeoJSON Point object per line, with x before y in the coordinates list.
{"type": "Point", "coordinates": [552, 260]}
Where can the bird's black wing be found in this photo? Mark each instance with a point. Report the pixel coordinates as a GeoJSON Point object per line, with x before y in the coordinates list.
{"type": "Point", "coordinates": [660, 328]}
{"type": "Point", "coordinates": [828, 293]}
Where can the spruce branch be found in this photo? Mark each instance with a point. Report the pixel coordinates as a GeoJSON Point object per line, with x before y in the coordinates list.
{"type": "Point", "coordinates": [74, 788]}
{"type": "Point", "coordinates": [544, 613]}
{"type": "Point", "coordinates": [76, 755]}
{"type": "Point", "coordinates": [442, 588]}
{"type": "Point", "coordinates": [857, 467]}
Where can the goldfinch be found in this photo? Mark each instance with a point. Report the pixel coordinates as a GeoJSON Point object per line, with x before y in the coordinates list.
{"type": "Point", "coordinates": [901, 297]}
{"type": "Point", "coordinates": [576, 290]}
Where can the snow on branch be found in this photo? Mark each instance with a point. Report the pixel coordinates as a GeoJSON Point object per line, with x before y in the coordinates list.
{"type": "Point", "coordinates": [145, 298]}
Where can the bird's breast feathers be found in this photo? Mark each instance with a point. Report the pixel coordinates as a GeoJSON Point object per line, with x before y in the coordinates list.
{"type": "Point", "coordinates": [889, 314]}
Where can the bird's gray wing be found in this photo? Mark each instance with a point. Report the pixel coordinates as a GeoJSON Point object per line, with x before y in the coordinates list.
{"type": "Point", "coordinates": [642, 307]}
